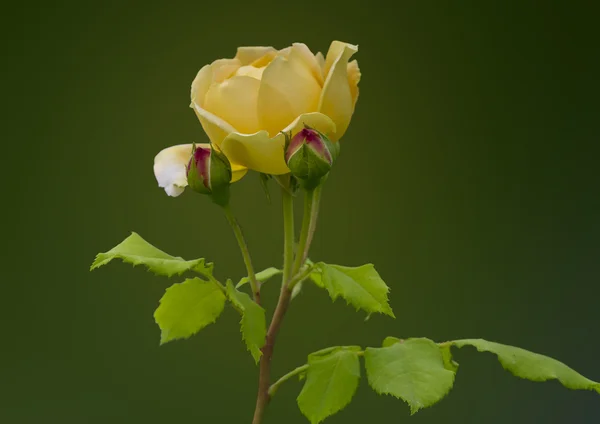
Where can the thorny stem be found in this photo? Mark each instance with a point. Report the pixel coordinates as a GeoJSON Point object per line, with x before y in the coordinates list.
{"type": "Point", "coordinates": [237, 230]}
{"type": "Point", "coordinates": [291, 278]}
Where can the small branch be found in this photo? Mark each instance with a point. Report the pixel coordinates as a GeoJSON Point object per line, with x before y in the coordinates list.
{"type": "Point", "coordinates": [237, 230]}
{"type": "Point", "coordinates": [301, 276]}
{"type": "Point", "coordinates": [286, 377]}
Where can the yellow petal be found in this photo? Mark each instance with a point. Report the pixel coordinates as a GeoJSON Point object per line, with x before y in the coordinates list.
{"type": "Point", "coordinates": [234, 101]}
{"type": "Point", "coordinates": [321, 61]}
{"type": "Point", "coordinates": [311, 61]}
{"type": "Point", "coordinates": [224, 68]}
{"type": "Point", "coordinates": [336, 99]}
{"type": "Point", "coordinates": [215, 127]}
{"type": "Point", "coordinates": [285, 52]}
{"type": "Point", "coordinates": [316, 120]}
{"type": "Point", "coordinates": [170, 168]}
{"type": "Point", "coordinates": [250, 71]}
{"type": "Point", "coordinates": [288, 89]}
{"type": "Point", "coordinates": [353, 80]}
{"type": "Point", "coordinates": [336, 49]}
{"type": "Point", "coordinates": [201, 84]}
{"type": "Point", "coordinates": [264, 154]}
{"type": "Point", "coordinates": [256, 151]}
{"type": "Point", "coordinates": [265, 59]}
{"type": "Point", "coordinates": [247, 55]}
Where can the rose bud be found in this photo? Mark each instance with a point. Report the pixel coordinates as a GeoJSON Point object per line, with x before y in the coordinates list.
{"type": "Point", "coordinates": [209, 172]}
{"type": "Point", "coordinates": [310, 155]}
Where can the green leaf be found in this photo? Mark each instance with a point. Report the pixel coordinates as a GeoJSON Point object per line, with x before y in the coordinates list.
{"type": "Point", "coordinates": [137, 251]}
{"type": "Point", "coordinates": [389, 341]}
{"type": "Point", "coordinates": [187, 308]}
{"type": "Point", "coordinates": [360, 286]}
{"type": "Point", "coordinates": [532, 366]}
{"type": "Point", "coordinates": [331, 380]}
{"type": "Point", "coordinates": [412, 370]}
{"type": "Point", "coordinates": [261, 276]}
{"type": "Point", "coordinates": [253, 323]}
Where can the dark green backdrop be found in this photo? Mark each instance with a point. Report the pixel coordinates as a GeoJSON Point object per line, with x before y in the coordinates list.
{"type": "Point", "coordinates": [469, 176]}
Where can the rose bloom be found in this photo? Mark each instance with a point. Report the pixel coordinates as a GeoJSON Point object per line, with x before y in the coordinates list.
{"type": "Point", "coordinates": [246, 103]}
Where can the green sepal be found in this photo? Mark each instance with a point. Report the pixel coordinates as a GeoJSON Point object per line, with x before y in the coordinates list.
{"type": "Point", "coordinates": [195, 180]}
{"type": "Point", "coordinates": [333, 146]}
{"type": "Point", "coordinates": [219, 177]}
{"type": "Point", "coordinates": [308, 166]}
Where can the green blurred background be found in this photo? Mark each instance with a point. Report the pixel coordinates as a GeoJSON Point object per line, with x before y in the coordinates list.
{"type": "Point", "coordinates": [469, 176]}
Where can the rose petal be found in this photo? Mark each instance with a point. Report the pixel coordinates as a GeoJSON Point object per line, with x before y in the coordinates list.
{"type": "Point", "coordinates": [336, 49]}
{"type": "Point", "coordinates": [288, 88]}
{"type": "Point", "coordinates": [354, 79]}
{"type": "Point", "coordinates": [316, 120]}
{"type": "Point", "coordinates": [201, 84]}
{"type": "Point", "coordinates": [311, 61]}
{"type": "Point", "coordinates": [224, 68]}
{"type": "Point", "coordinates": [265, 59]}
{"type": "Point", "coordinates": [285, 52]}
{"type": "Point", "coordinates": [321, 61]}
{"type": "Point", "coordinates": [247, 55]}
{"type": "Point", "coordinates": [264, 154]}
{"type": "Point", "coordinates": [250, 71]}
{"type": "Point", "coordinates": [336, 99]}
{"type": "Point", "coordinates": [170, 168]}
{"type": "Point", "coordinates": [215, 127]}
{"type": "Point", "coordinates": [234, 101]}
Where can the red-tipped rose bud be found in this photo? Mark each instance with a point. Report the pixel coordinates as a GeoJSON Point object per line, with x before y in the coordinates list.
{"type": "Point", "coordinates": [209, 172]}
{"type": "Point", "coordinates": [310, 155]}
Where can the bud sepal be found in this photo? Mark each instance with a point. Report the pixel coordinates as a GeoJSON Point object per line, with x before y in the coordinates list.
{"type": "Point", "coordinates": [209, 172]}
{"type": "Point", "coordinates": [310, 155]}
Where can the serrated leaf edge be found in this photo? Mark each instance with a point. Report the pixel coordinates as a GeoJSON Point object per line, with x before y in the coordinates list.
{"type": "Point", "coordinates": [413, 409]}
{"type": "Point", "coordinates": [164, 334]}
{"type": "Point", "coordinates": [320, 356]}
{"type": "Point", "coordinates": [254, 350]}
{"type": "Point", "coordinates": [198, 265]}
{"type": "Point", "coordinates": [594, 386]}
{"type": "Point", "coordinates": [384, 309]}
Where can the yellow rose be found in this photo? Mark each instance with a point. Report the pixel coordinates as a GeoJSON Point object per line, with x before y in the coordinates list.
{"type": "Point", "coordinates": [246, 102]}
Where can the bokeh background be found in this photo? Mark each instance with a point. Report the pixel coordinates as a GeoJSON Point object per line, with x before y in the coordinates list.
{"type": "Point", "coordinates": [469, 176]}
